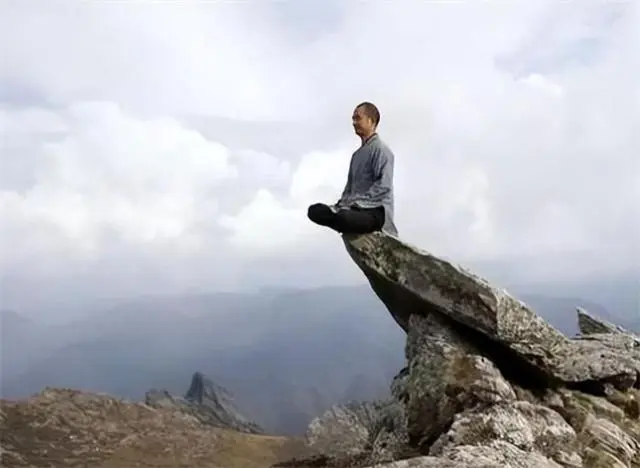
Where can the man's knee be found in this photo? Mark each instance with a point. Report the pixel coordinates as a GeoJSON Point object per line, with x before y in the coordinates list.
{"type": "Point", "coordinates": [318, 212]}
{"type": "Point", "coordinates": [312, 211]}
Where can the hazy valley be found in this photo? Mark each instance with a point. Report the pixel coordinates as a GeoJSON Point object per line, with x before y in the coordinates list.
{"type": "Point", "coordinates": [286, 356]}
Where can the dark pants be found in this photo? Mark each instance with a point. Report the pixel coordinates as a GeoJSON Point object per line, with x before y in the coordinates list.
{"type": "Point", "coordinates": [352, 220]}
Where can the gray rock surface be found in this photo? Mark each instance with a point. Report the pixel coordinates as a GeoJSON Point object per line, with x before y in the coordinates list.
{"type": "Point", "coordinates": [446, 375]}
{"type": "Point", "coordinates": [412, 281]}
{"type": "Point", "coordinates": [209, 402]}
{"type": "Point", "coordinates": [377, 429]}
{"type": "Point", "coordinates": [487, 382]}
{"type": "Point", "coordinates": [589, 324]}
{"type": "Point", "coordinates": [343, 429]}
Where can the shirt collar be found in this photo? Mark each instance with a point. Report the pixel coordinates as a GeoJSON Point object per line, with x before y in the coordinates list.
{"type": "Point", "coordinates": [370, 139]}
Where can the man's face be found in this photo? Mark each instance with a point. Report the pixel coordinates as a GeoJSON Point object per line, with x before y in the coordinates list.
{"type": "Point", "coordinates": [362, 124]}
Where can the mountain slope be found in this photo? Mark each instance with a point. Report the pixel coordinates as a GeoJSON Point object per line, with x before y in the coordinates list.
{"type": "Point", "coordinates": [60, 427]}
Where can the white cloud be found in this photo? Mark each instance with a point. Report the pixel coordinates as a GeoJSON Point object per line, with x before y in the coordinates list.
{"type": "Point", "coordinates": [542, 83]}
{"type": "Point", "coordinates": [514, 127]}
{"type": "Point", "coordinates": [262, 168]}
{"type": "Point", "coordinates": [161, 57]}
{"type": "Point", "coordinates": [265, 226]}
{"type": "Point", "coordinates": [147, 180]}
{"type": "Point", "coordinates": [320, 176]}
{"type": "Point", "coordinates": [275, 227]}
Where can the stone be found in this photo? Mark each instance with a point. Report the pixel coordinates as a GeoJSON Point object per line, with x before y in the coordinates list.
{"type": "Point", "coordinates": [412, 281]}
{"type": "Point", "coordinates": [605, 437]}
{"type": "Point", "coordinates": [498, 454]}
{"type": "Point", "coordinates": [446, 374]}
{"type": "Point", "coordinates": [379, 429]}
{"type": "Point", "coordinates": [343, 429]}
{"type": "Point", "coordinates": [589, 324]}
{"type": "Point", "coordinates": [524, 425]}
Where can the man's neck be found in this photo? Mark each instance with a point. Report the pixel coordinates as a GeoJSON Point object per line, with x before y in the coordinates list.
{"type": "Point", "coordinates": [364, 139]}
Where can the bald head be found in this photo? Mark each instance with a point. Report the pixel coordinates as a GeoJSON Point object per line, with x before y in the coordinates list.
{"type": "Point", "coordinates": [365, 119]}
{"type": "Point", "coordinates": [370, 110]}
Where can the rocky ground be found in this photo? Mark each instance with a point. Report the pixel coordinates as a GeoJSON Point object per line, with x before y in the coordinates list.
{"type": "Point", "coordinates": [488, 383]}
{"type": "Point", "coordinates": [61, 427]}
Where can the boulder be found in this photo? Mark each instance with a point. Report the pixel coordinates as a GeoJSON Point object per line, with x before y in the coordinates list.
{"type": "Point", "coordinates": [376, 430]}
{"type": "Point", "coordinates": [446, 375]}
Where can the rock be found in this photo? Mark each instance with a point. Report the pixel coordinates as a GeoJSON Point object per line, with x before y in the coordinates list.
{"type": "Point", "coordinates": [377, 429]}
{"type": "Point", "coordinates": [497, 454]}
{"type": "Point", "coordinates": [606, 438]}
{"type": "Point", "coordinates": [446, 374]}
{"type": "Point", "coordinates": [628, 401]}
{"type": "Point", "coordinates": [343, 429]}
{"type": "Point", "coordinates": [427, 462]}
{"type": "Point", "coordinates": [207, 401]}
{"type": "Point", "coordinates": [524, 425]}
{"type": "Point", "coordinates": [410, 281]}
{"type": "Point", "coordinates": [589, 324]}
{"type": "Point", "coordinates": [599, 406]}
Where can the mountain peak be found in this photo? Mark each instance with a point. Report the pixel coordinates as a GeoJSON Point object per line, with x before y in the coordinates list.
{"type": "Point", "coordinates": [209, 402]}
{"type": "Point", "coordinates": [203, 390]}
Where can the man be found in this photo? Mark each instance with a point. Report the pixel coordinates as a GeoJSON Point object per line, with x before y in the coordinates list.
{"type": "Point", "coordinates": [366, 204]}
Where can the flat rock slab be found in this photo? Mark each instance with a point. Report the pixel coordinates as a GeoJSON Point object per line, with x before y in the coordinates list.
{"type": "Point", "coordinates": [411, 281]}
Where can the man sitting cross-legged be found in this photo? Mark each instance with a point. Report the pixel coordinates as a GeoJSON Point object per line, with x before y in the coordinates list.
{"type": "Point", "coordinates": [366, 204]}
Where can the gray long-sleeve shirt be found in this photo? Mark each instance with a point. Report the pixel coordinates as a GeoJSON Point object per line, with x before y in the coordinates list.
{"type": "Point", "coordinates": [370, 180]}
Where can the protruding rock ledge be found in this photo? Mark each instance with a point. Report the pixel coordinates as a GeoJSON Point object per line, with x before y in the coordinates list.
{"type": "Point", "coordinates": [411, 281]}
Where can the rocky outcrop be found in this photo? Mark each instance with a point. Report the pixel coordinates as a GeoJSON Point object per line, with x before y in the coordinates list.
{"type": "Point", "coordinates": [488, 382]}
{"type": "Point", "coordinates": [375, 428]}
{"type": "Point", "coordinates": [591, 326]}
{"type": "Point", "coordinates": [412, 281]}
{"type": "Point", "coordinates": [208, 402]}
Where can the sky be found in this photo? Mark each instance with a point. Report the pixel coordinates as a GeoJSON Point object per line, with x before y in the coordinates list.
{"type": "Point", "coordinates": [174, 147]}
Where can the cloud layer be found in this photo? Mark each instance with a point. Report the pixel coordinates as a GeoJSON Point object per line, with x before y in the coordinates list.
{"type": "Point", "coordinates": [176, 147]}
